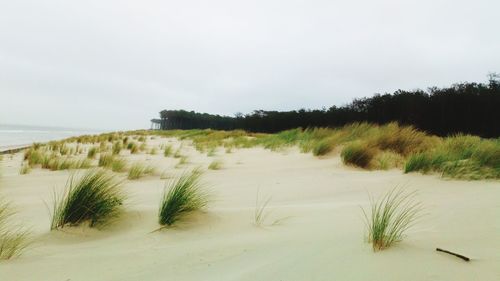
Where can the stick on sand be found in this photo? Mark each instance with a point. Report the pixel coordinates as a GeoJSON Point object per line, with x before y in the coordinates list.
{"type": "Point", "coordinates": [454, 254]}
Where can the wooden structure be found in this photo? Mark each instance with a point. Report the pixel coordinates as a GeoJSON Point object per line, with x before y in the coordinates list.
{"type": "Point", "coordinates": [156, 124]}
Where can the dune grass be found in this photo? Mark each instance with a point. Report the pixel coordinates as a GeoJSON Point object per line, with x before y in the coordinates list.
{"type": "Point", "coordinates": [322, 147]}
{"type": "Point", "coordinates": [139, 170]}
{"type": "Point", "coordinates": [105, 160]}
{"type": "Point", "coordinates": [167, 151]}
{"type": "Point", "coordinates": [92, 152]}
{"type": "Point", "coordinates": [25, 169]}
{"type": "Point", "coordinates": [358, 154]}
{"type": "Point", "coordinates": [115, 163]}
{"type": "Point", "coordinates": [260, 213]}
{"type": "Point", "coordinates": [96, 198]}
{"type": "Point", "coordinates": [58, 164]}
{"type": "Point", "coordinates": [215, 165]}
{"type": "Point", "coordinates": [117, 148]}
{"type": "Point", "coordinates": [365, 145]}
{"type": "Point", "coordinates": [390, 217]}
{"type": "Point", "coordinates": [13, 239]}
{"type": "Point", "coordinates": [460, 156]}
{"type": "Point", "coordinates": [118, 165]}
{"type": "Point", "coordinates": [181, 196]}
{"type": "Point", "coordinates": [132, 146]}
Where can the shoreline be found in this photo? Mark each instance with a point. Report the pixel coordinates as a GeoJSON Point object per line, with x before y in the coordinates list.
{"type": "Point", "coordinates": [13, 148]}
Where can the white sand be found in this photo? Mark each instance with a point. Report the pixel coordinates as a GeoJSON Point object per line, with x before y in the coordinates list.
{"type": "Point", "coordinates": [320, 238]}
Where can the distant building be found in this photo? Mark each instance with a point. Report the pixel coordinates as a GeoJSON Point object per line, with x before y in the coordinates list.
{"type": "Point", "coordinates": [156, 124]}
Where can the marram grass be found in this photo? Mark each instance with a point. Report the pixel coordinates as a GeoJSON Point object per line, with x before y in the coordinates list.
{"type": "Point", "coordinates": [139, 170]}
{"type": "Point", "coordinates": [390, 217]}
{"type": "Point", "coordinates": [215, 165]}
{"type": "Point", "coordinates": [13, 239]}
{"type": "Point", "coordinates": [181, 196]}
{"type": "Point", "coordinates": [358, 154]}
{"type": "Point", "coordinates": [94, 198]}
{"type": "Point", "coordinates": [167, 151]}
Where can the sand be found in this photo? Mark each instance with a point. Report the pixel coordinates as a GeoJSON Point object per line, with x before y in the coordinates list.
{"type": "Point", "coordinates": [318, 235]}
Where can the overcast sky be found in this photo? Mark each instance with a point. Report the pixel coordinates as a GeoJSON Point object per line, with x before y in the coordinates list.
{"type": "Point", "coordinates": [116, 64]}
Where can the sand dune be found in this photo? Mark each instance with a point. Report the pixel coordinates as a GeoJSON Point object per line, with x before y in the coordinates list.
{"type": "Point", "coordinates": [320, 234]}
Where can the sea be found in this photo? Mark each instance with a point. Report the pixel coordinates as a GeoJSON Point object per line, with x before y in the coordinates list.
{"type": "Point", "coordinates": [13, 136]}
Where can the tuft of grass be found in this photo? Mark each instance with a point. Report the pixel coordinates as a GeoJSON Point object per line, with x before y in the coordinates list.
{"type": "Point", "coordinates": [132, 146]}
{"type": "Point", "coordinates": [260, 213]}
{"type": "Point", "coordinates": [58, 163]}
{"type": "Point", "coordinates": [25, 169]}
{"type": "Point", "coordinates": [215, 165]}
{"type": "Point", "coordinates": [153, 151]}
{"type": "Point", "coordinates": [358, 154]}
{"type": "Point", "coordinates": [211, 152]}
{"type": "Point", "coordinates": [185, 194]}
{"type": "Point", "coordinates": [92, 152]}
{"type": "Point", "coordinates": [96, 198]}
{"type": "Point", "coordinates": [117, 148]}
{"type": "Point", "coordinates": [118, 165]}
{"type": "Point", "coordinates": [322, 147]}
{"type": "Point", "coordinates": [461, 156]}
{"type": "Point", "coordinates": [139, 170]}
{"type": "Point", "coordinates": [167, 151]}
{"type": "Point", "coordinates": [13, 239]}
{"type": "Point", "coordinates": [182, 161]}
{"type": "Point", "coordinates": [177, 153]}
{"type": "Point", "coordinates": [105, 160]}
{"type": "Point", "coordinates": [390, 217]}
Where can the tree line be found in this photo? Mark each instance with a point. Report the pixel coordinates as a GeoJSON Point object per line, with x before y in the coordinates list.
{"type": "Point", "coordinates": [468, 108]}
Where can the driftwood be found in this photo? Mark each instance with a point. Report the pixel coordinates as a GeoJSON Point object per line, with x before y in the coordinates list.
{"type": "Point", "coordinates": [454, 254]}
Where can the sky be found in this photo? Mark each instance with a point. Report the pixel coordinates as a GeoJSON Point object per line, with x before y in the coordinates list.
{"type": "Point", "coordinates": [115, 64]}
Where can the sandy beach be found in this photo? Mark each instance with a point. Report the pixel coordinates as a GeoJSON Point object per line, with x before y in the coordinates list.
{"type": "Point", "coordinates": [314, 229]}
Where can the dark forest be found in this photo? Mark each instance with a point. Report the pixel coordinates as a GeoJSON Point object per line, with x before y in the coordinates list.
{"type": "Point", "coordinates": [467, 108]}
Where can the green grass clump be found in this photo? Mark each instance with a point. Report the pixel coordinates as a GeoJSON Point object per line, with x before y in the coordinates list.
{"type": "Point", "coordinates": [92, 152]}
{"type": "Point", "coordinates": [403, 140]}
{"type": "Point", "coordinates": [167, 151]}
{"type": "Point", "coordinates": [132, 146]}
{"type": "Point", "coordinates": [215, 165]}
{"type": "Point", "coordinates": [182, 161]}
{"type": "Point", "coordinates": [139, 170]}
{"type": "Point", "coordinates": [60, 163]}
{"type": "Point", "coordinates": [211, 152]}
{"type": "Point", "coordinates": [185, 194]}
{"type": "Point", "coordinates": [461, 156]}
{"type": "Point", "coordinates": [118, 165]}
{"type": "Point", "coordinates": [358, 154]}
{"type": "Point", "coordinates": [391, 217]}
{"type": "Point", "coordinates": [13, 239]}
{"type": "Point", "coordinates": [25, 169]}
{"type": "Point", "coordinates": [177, 153]}
{"type": "Point", "coordinates": [322, 147]}
{"type": "Point", "coordinates": [105, 160]}
{"type": "Point", "coordinates": [117, 147]}
{"type": "Point", "coordinates": [34, 157]}
{"type": "Point", "coordinates": [96, 198]}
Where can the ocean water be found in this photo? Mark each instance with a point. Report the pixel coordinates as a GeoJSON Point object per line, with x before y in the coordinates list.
{"type": "Point", "coordinates": [20, 135]}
